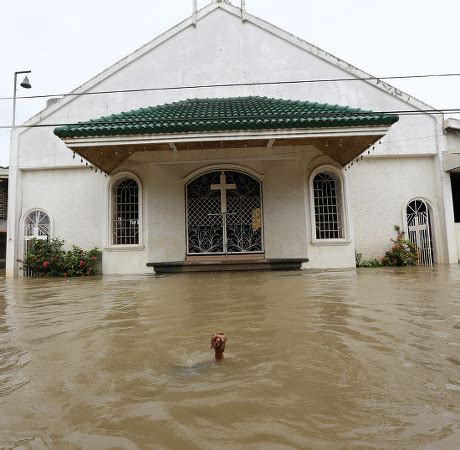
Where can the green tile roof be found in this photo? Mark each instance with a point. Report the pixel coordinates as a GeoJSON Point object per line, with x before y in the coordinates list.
{"type": "Point", "coordinates": [224, 114]}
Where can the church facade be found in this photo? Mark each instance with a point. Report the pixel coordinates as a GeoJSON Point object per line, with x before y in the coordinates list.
{"type": "Point", "coordinates": [213, 155]}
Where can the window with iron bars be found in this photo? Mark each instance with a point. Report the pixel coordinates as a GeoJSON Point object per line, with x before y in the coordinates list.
{"type": "Point", "coordinates": [3, 202]}
{"type": "Point", "coordinates": [328, 208]}
{"type": "Point", "coordinates": [125, 213]}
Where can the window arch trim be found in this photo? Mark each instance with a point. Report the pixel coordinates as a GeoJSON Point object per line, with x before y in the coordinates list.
{"type": "Point", "coordinates": [113, 182]}
{"type": "Point", "coordinates": [337, 174]}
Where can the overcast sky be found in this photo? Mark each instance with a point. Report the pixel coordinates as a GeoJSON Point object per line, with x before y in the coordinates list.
{"type": "Point", "coordinates": [65, 43]}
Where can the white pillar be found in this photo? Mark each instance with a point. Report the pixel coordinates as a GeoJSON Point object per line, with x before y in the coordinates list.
{"type": "Point", "coordinates": [14, 208]}
{"type": "Point", "coordinates": [447, 207]}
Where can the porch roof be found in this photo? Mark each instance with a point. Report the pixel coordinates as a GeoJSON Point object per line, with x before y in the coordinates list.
{"type": "Point", "coordinates": [226, 114]}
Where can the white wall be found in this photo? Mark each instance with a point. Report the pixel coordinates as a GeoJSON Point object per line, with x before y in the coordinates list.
{"type": "Point", "coordinates": [72, 198]}
{"type": "Point", "coordinates": [380, 189]}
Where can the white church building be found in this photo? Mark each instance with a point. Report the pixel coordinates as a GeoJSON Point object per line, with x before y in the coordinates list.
{"type": "Point", "coordinates": [214, 155]}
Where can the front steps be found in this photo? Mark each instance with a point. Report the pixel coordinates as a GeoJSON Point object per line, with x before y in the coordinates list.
{"type": "Point", "coordinates": [227, 265]}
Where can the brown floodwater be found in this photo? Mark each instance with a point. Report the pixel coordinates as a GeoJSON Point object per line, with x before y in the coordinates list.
{"type": "Point", "coordinates": [322, 360]}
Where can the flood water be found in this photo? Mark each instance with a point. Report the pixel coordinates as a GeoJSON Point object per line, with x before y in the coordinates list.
{"type": "Point", "coordinates": [366, 359]}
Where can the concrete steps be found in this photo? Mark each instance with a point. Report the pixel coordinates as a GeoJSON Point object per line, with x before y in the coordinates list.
{"type": "Point", "coordinates": [227, 265]}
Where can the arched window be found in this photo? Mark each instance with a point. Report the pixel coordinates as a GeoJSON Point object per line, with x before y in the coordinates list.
{"type": "Point", "coordinates": [419, 230]}
{"type": "Point", "coordinates": [125, 212]}
{"type": "Point", "coordinates": [327, 197]}
{"type": "Point", "coordinates": [36, 226]}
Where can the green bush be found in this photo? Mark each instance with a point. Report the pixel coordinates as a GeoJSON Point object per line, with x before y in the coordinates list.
{"type": "Point", "coordinates": [47, 258]}
{"type": "Point", "coordinates": [402, 253]}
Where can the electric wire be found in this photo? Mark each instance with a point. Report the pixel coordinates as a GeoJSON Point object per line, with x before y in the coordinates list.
{"type": "Point", "coordinates": [255, 83]}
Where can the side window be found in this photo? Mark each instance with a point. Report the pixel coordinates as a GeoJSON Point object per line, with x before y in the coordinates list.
{"type": "Point", "coordinates": [36, 226]}
{"type": "Point", "coordinates": [125, 212]}
{"type": "Point", "coordinates": [327, 196]}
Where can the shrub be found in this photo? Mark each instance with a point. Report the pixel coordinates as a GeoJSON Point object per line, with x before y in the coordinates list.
{"type": "Point", "coordinates": [47, 258]}
{"type": "Point", "coordinates": [402, 253]}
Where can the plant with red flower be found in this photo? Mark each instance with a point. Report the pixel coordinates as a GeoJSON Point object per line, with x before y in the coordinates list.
{"type": "Point", "coordinates": [47, 258]}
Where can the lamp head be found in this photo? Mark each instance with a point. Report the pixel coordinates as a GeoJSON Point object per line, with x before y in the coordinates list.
{"type": "Point", "coordinates": [26, 83]}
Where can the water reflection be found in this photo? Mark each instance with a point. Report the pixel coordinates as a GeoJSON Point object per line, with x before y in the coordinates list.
{"type": "Point", "coordinates": [320, 360]}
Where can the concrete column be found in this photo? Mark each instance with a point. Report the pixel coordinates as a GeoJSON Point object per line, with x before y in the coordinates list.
{"type": "Point", "coordinates": [449, 255]}
{"type": "Point", "coordinates": [14, 208]}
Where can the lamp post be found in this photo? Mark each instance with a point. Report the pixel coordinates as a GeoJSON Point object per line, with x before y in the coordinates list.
{"type": "Point", "coordinates": [25, 84]}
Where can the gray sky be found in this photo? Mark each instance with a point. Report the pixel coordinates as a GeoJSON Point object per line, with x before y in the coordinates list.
{"type": "Point", "coordinates": [65, 43]}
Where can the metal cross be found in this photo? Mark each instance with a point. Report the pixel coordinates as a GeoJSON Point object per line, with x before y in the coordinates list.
{"type": "Point", "coordinates": [223, 186]}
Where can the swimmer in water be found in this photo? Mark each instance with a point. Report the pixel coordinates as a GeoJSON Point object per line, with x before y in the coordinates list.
{"type": "Point", "coordinates": [218, 344]}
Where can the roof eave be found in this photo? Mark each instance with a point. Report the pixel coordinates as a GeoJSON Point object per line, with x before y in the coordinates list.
{"type": "Point", "coordinates": [225, 136]}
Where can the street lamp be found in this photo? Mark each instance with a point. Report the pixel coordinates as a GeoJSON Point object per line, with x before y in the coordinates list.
{"type": "Point", "coordinates": [25, 84]}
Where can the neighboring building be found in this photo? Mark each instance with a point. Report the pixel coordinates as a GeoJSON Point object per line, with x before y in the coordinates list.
{"type": "Point", "coordinates": [3, 213]}
{"type": "Point", "coordinates": [243, 175]}
{"type": "Point", "coordinates": [452, 166]}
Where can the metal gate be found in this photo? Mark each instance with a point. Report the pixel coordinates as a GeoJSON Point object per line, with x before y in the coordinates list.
{"type": "Point", "coordinates": [419, 230]}
{"type": "Point", "coordinates": [224, 214]}
{"type": "Point", "coordinates": [36, 226]}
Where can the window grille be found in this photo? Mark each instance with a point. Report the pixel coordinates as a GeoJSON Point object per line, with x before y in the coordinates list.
{"type": "Point", "coordinates": [125, 213]}
{"type": "Point", "coordinates": [3, 202]}
{"type": "Point", "coordinates": [328, 210]}
{"type": "Point", "coordinates": [36, 226]}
